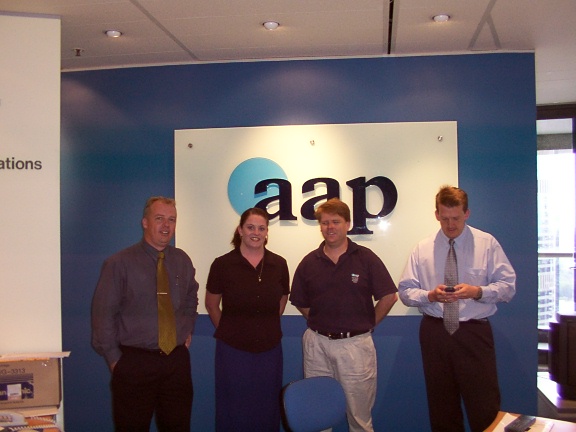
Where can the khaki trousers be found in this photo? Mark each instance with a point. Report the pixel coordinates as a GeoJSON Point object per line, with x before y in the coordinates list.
{"type": "Point", "coordinates": [351, 361]}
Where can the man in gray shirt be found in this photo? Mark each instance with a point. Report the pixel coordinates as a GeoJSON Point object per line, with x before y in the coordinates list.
{"type": "Point", "coordinates": [147, 380]}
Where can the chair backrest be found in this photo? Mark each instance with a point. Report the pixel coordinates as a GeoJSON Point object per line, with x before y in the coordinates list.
{"type": "Point", "coordinates": [313, 404]}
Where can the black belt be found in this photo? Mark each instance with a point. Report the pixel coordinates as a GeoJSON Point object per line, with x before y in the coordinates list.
{"type": "Point", "coordinates": [471, 321]}
{"type": "Point", "coordinates": [125, 348]}
{"type": "Point", "coordinates": [341, 335]}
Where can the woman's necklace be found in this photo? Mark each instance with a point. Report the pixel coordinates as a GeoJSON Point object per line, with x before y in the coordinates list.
{"type": "Point", "coordinates": [261, 268]}
{"type": "Point", "coordinates": [251, 258]}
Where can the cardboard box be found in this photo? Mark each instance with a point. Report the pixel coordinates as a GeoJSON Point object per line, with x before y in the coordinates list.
{"type": "Point", "coordinates": [30, 382]}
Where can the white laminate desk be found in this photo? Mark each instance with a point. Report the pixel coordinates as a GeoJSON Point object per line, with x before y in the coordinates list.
{"type": "Point", "coordinates": [558, 425]}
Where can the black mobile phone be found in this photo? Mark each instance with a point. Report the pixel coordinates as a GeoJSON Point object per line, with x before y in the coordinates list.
{"type": "Point", "coordinates": [449, 289]}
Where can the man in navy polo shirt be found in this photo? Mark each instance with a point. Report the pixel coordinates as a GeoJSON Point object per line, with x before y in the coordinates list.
{"type": "Point", "coordinates": [334, 288]}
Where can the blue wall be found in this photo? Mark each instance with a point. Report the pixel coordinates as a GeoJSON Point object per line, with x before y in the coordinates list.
{"type": "Point", "coordinates": [117, 150]}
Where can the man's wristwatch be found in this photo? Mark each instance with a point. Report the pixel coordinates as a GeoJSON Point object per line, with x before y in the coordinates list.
{"type": "Point", "coordinates": [479, 295]}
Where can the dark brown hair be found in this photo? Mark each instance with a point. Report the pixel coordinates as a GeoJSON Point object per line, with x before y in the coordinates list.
{"type": "Point", "coordinates": [236, 239]}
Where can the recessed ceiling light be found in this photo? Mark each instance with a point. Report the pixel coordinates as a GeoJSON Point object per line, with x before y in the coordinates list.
{"type": "Point", "coordinates": [271, 25]}
{"type": "Point", "coordinates": [441, 18]}
{"type": "Point", "coordinates": [113, 33]}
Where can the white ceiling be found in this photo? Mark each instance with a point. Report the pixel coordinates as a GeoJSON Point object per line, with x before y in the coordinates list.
{"type": "Point", "coordinates": [197, 31]}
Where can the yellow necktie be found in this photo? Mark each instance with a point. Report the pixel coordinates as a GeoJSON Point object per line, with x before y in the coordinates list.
{"type": "Point", "coordinates": [166, 320]}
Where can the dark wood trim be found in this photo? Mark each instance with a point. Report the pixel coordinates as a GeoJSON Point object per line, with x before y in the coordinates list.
{"type": "Point", "coordinates": [556, 111]}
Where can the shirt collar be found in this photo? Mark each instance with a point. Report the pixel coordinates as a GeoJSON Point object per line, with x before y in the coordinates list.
{"type": "Point", "coordinates": [458, 240]}
{"type": "Point", "coordinates": [152, 250]}
{"type": "Point", "coordinates": [351, 248]}
{"type": "Point", "coordinates": [239, 253]}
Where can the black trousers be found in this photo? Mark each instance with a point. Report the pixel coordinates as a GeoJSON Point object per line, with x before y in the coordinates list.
{"type": "Point", "coordinates": [460, 369]}
{"type": "Point", "coordinates": [147, 383]}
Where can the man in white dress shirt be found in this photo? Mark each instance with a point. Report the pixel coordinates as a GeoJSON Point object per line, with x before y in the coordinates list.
{"type": "Point", "coordinates": [458, 367]}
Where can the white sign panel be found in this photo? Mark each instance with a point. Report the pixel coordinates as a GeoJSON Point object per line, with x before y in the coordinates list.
{"type": "Point", "coordinates": [30, 184]}
{"type": "Point", "coordinates": [217, 170]}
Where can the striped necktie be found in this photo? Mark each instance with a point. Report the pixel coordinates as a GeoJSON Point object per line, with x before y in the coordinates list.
{"type": "Point", "coordinates": [166, 320]}
{"type": "Point", "coordinates": [451, 310]}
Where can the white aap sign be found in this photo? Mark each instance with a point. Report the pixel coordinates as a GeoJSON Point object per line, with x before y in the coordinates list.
{"type": "Point", "coordinates": [388, 174]}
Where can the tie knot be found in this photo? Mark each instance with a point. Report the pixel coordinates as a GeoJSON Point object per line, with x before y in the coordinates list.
{"type": "Point", "coordinates": [450, 242]}
{"type": "Point", "coordinates": [160, 255]}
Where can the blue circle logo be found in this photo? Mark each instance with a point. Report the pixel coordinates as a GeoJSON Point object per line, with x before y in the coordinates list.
{"type": "Point", "coordinates": [245, 177]}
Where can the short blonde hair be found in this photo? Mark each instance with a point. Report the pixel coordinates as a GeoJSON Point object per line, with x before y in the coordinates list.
{"type": "Point", "coordinates": [152, 200]}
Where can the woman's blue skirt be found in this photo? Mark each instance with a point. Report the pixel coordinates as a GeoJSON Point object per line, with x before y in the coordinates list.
{"type": "Point", "coordinates": [248, 388]}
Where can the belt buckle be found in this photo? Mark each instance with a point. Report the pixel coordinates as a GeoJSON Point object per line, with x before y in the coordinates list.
{"type": "Point", "coordinates": [338, 336]}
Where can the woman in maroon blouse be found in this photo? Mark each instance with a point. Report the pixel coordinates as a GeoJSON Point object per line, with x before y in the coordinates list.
{"type": "Point", "coordinates": [246, 294]}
